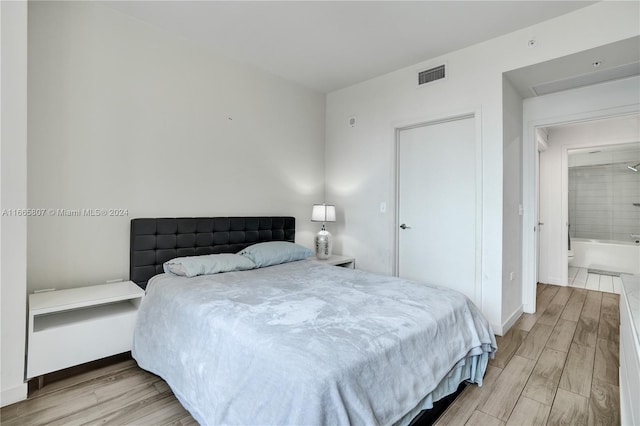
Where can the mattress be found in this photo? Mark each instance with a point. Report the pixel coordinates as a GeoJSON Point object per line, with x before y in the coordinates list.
{"type": "Point", "coordinates": [305, 343]}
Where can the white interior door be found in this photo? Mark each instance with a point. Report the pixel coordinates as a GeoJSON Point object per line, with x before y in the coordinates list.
{"type": "Point", "coordinates": [437, 205]}
{"type": "Point", "coordinates": [538, 221]}
{"type": "Point", "coordinates": [540, 236]}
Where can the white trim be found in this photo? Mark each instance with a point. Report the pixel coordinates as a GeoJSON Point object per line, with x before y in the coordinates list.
{"type": "Point", "coordinates": [396, 201]}
{"type": "Point", "coordinates": [564, 212]}
{"type": "Point", "coordinates": [476, 114]}
{"type": "Point", "coordinates": [542, 137]}
{"type": "Point", "coordinates": [13, 395]}
{"type": "Point", "coordinates": [510, 321]}
{"type": "Point", "coordinates": [556, 280]}
{"type": "Point", "coordinates": [479, 207]}
{"type": "Point", "coordinates": [529, 197]}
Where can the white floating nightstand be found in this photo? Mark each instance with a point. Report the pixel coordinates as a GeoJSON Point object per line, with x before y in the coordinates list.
{"type": "Point", "coordinates": [73, 326]}
{"type": "Point", "coordinates": [337, 260]}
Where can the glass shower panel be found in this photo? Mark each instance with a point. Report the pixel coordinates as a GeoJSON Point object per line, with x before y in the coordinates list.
{"type": "Point", "coordinates": [603, 191]}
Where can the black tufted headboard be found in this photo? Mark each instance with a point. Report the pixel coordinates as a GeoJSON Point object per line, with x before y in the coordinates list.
{"type": "Point", "coordinates": [154, 241]}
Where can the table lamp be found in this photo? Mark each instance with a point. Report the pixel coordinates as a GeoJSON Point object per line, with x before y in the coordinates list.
{"type": "Point", "coordinates": [323, 213]}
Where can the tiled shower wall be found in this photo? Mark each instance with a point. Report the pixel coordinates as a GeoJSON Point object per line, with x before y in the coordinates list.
{"type": "Point", "coordinates": [601, 199]}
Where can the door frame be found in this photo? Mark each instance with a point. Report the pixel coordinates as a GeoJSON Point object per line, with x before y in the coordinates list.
{"type": "Point", "coordinates": [541, 140]}
{"type": "Point", "coordinates": [429, 121]}
{"type": "Point", "coordinates": [530, 171]}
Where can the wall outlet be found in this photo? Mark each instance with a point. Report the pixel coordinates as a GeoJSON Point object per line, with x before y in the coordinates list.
{"type": "Point", "coordinates": [383, 207]}
{"type": "Point", "coordinates": [511, 275]}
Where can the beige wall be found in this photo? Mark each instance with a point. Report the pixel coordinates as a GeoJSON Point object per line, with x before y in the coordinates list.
{"type": "Point", "coordinates": [124, 115]}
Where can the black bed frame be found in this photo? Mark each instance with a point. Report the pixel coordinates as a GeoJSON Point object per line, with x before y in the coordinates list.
{"type": "Point", "coordinates": [156, 240]}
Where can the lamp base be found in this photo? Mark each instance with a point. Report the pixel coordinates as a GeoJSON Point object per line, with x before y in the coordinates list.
{"type": "Point", "coordinates": [324, 244]}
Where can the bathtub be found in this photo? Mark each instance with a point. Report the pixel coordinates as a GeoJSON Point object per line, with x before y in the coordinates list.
{"type": "Point", "coordinates": [618, 256]}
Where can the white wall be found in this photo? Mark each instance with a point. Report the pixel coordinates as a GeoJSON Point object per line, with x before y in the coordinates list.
{"type": "Point", "coordinates": [553, 181]}
{"type": "Point", "coordinates": [361, 160]}
{"type": "Point", "coordinates": [125, 115]}
{"type": "Point", "coordinates": [512, 203]}
{"type": "Point", "coordinates": [13, 179]}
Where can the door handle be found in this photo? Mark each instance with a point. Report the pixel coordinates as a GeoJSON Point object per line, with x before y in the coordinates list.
{"type": "Point", "coordinates": [540, 223]}
{"type": "Point", "coordinates": [403, 226]}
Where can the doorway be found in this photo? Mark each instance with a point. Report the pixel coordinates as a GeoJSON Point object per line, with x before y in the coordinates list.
{"type": "Point", "coordinates": [587, 199]}
{"type": "Point", "coordinates": [564, 114]}
{"type": "Point", "coordinates": [438, 204]}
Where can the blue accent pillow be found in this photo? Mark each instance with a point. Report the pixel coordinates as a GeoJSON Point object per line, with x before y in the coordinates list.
{"type": "Point", "coordinates": [275, 253]}
{"type": "Point", "coordinates": [193, 266]}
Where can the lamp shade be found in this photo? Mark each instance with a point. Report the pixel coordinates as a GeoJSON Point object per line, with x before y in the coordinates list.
{"type": "Point", "coordinates": [323, 213]}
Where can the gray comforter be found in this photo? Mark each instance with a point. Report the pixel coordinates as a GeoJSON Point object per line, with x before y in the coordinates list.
{"type": "Point", "coordinates": [305, 344]}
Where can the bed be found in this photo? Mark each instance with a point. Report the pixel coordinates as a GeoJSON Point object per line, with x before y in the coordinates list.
{"type": "Point", "coordinates": [298, 342]}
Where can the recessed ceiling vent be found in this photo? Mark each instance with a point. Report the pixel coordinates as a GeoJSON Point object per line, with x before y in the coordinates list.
{"type": "Point", "coordinates": [433, 74]}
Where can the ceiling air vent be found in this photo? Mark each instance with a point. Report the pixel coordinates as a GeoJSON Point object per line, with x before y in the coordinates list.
{"type": "Point", "coordinates": [433, 74]}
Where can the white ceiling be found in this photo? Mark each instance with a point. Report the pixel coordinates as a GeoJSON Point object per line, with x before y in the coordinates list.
{"type": "Point", "coordinates": [328, 45]}
{"type": "Point", "coordinates": [614, 61]}
{"type": "Point", "coordinates": [627, 154]}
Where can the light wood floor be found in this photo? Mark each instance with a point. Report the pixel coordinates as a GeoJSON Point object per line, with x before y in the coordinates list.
{"type": "Point", "coordinates": [558, 366]}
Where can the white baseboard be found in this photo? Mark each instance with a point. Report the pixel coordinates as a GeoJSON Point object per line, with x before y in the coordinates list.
{"type": "Point", "coordinates": [512, 319]}
{"type": "Point", "coordinates": [555, 281]}
{"type": "Point", "coordinates": [13, 395]}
